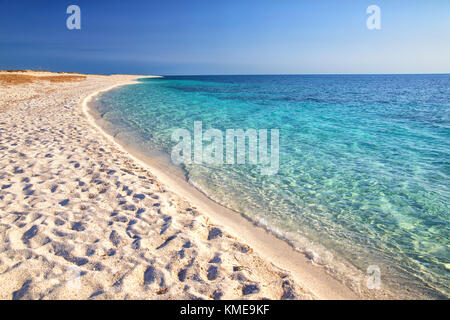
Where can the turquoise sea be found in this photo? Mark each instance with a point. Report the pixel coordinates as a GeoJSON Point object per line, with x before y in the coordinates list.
{"type": "Point", "coordinates": [364, 174]}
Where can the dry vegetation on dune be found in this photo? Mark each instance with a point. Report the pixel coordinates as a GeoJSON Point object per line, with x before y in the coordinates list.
{"type": "Point", "coordinates": [35, 85]}
{"type": "Point", "coordinates": [15, 79]}
{"type": "Point", "coordinates": [38, 71]}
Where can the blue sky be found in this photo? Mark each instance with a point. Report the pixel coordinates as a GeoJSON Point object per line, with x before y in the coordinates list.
{"type": "Point", "coordinates": [226, 36]}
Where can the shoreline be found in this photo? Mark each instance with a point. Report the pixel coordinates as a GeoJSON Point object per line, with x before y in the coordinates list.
{"type": "Point", "coordinates": [265, 243]}
{"type": "Point", "coordinates": [73, 198]}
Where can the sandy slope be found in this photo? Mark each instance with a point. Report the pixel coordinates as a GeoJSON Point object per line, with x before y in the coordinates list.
{"type": "Point", "coordinates": [72, 203]}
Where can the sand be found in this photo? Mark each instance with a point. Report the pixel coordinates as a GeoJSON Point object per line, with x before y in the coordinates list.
{"type": "Point", "coordinates": [81, 218]}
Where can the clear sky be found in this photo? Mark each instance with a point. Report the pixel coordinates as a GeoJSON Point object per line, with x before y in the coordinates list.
{"type": "Point", "coordinates": [226, 36]}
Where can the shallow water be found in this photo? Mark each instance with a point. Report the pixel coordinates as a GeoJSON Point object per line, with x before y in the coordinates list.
{"type": "Point", "coordinates": [364, 161]}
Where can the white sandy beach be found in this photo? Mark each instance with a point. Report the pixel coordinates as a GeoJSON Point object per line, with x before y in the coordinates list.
{"type": "Point", "coordinates": [73, 202]}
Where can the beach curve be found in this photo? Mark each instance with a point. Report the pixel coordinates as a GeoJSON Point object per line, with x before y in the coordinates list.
{"type": "Point", "coordinates": [79, 219]}
{"type": "Point", "coordinates": [320, 283]}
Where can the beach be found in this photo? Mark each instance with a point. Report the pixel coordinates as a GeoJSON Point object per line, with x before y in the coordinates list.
{"type": "Point", "coordinates": [82, 218]}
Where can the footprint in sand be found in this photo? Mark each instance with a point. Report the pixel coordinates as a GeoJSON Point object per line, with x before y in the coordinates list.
{"type": "Point", "coordinates": [29, 234]}
{"type": "Point", "coordinates": [250, 289]}
{"type": "Point", "coordinates": [212, 273]}
{"type": "Point", "coordinates": [151, 275]}
{"type": "Point", "coordinates": [288, 291]}
{"type": "Point", "coordinates": [115, 238]}
{"type": "Point", "coordinates": [78, 226]}
{"type": "Point", "coordinates": [19, 294]}
{"type": "Point", "coordinates": [214, 233]}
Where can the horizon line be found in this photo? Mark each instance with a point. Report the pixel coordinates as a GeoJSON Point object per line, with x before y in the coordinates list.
{"type": "Point", "coordinates": [303, 74]}
{"type": "Point", "coordinates": [234, 74]}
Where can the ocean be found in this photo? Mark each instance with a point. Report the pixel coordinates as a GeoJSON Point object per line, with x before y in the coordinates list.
{"type": "Point", "coordinates": [364, 163]}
